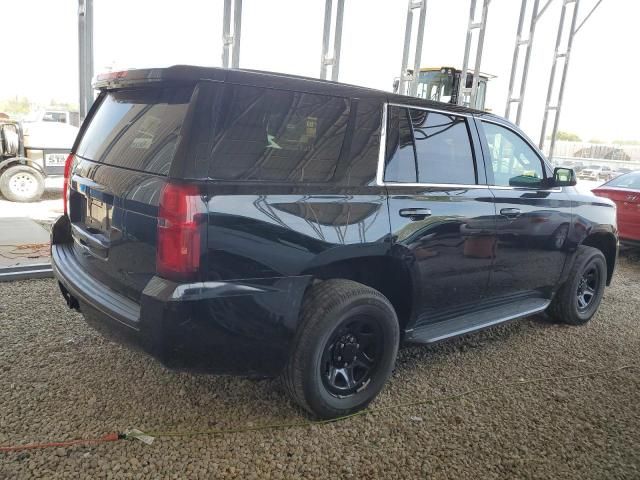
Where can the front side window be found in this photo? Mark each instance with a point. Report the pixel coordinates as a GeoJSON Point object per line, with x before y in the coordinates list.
{"type": "Point", "coordinates": [428, 147]}
{"type": "Point", "coordinates": [514, 162]}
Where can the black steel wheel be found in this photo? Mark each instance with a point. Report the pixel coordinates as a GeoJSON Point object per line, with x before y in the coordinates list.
{"type": "Point", "coordinates": [588, 285]}
{"type": "Point", "coordinates": [352, 356]}
{"type": "Point", "coordinates": [577, 301]}
{"type": "Point", "coordinates": [344, 349]}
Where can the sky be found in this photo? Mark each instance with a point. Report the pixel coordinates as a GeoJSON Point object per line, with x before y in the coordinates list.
{"type": "Point", "coordinates": [286, 36]}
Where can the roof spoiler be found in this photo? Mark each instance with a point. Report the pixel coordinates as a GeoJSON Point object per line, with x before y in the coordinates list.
{"type": "Point", "coordinates": [176, 73]}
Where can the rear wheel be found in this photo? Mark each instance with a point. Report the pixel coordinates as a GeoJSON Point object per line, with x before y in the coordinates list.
{"type": "Point", "coordinates": [21, 183]}
{"type": "Point", "coordinates": [579, 298]}
{"type": "Point", "coordinates": [344, 350]}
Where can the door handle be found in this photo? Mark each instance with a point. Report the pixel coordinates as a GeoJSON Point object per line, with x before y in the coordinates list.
{"type": "Point", "coordinates": [415, 213]}
{"type": "Point", "coordinates": [510, 212]}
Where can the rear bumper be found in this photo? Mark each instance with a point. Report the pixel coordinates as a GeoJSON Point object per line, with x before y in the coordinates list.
{"type": "Point", "coordinates": [241, 327]}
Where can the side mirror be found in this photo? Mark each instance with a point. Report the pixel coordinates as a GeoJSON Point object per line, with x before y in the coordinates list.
{"type": "Point", "coordinates": [564, 177]}
{"type": "Point", "coordinates": [396, 85]}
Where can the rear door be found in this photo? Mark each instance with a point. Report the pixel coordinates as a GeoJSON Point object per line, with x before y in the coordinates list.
{"type": "Point", "coordinates": [533, 221]}
{"type": "Point", "coordinates": [442, 213]}
{"type": "Point", "coordinates": [121, 164]}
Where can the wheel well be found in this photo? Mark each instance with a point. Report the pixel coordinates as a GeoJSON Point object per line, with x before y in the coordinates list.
{"type": "Point", "coordinates": [26, 162]}
{"type": "Point", "coordinates": [606, 243]}
{"type": "Point", "coordinates": [385, 274]}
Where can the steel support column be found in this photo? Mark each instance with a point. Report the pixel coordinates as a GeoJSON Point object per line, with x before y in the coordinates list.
{"type": "Point", "coordinates": [231, 40]}
{"type": "Point", "coordinates": [85, 55]}
{"type": "Point", "coordinates": [481, 26]}
{"type": "Point", "coordinates": [535, 16]}
{"type": "Point", "coordinates": [331, 59]}
{"type": "Point", "coordinates": [558, 54]}
{"type": "Point", "coordinates": [409, 79]}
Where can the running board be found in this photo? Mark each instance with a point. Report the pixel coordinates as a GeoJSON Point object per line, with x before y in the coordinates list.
{"type": "Point", "coordinates": [470, 322]}
{"type": "Point", "coordinates": [25, 272]}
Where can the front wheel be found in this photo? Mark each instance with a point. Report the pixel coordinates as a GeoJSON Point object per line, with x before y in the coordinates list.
{"type": "Point", "coordinates": [580, 296]}
{"type": "Point", "coordinates": [21, 183]}
{"type": "Point", "coordinates": [344, 350]}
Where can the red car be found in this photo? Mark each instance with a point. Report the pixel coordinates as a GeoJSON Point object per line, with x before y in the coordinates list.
{"type": "Point", "coordinates": [625, 192]}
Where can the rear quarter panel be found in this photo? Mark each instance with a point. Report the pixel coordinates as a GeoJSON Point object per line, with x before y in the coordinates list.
{"type": "Point", "coordinates": [592, 214]}
{"type": "Point", "coordinates": [262, 231]}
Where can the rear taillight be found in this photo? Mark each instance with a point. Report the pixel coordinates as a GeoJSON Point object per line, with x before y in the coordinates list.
{"type": "Point", "coordinates": [179, 217]}
{"type": "Point", "coordinates": [67, 180]}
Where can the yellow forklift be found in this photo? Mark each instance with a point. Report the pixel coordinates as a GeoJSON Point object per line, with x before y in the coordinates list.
{"type": "Point", "coordinates": [442, 84]}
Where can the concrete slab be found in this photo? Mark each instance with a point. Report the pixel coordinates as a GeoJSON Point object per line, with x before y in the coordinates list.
{"type": "Point", "coordinates": [22, 242]}
{"type": "Point", "coordinates": [47, 209]}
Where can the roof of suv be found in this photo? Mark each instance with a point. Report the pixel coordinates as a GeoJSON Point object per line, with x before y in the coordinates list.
{"type": "Point", "coordinates": [189, 73]}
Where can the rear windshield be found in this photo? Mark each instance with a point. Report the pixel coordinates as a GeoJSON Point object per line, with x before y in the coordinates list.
{"type": "Point", "coordinates": [630, 180]}
{"type": "Point", "coordinates": [277, 135]}
{"type": "Point", "coordinates": [137, 129]}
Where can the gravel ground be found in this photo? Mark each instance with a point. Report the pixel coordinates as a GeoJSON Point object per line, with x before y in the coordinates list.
{"type": "Point", "coordinates": [60, 380]}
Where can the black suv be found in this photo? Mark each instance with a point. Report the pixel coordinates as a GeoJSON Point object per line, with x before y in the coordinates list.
{"type": "Point", "coordinates": [257, 223]}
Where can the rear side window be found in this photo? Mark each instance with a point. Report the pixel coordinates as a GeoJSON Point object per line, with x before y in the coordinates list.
{"type": "Point", "coordinates": [137, 129]}
{"type": "Point", "coordinates": [276, 135]}
{"type": "Point", "coordinates": [401, 166]}
{"type": "Point", "coordinates": [430, 147]}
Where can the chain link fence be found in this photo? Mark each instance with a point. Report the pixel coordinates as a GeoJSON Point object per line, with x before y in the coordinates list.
{"type": "Point", "coordinates": [583, 155]}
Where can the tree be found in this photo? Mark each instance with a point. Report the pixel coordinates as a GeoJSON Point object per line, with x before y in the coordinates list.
{"type": "Point", "coordinates": [72, 107]}
{"type": "Point", "coordinates": [15, 106]}
{"type": "Point", "coordinates": [567, 136]}
{"type": "Point", "coordinates": [626, 142]}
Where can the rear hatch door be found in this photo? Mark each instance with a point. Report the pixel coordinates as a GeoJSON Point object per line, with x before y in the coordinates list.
{"type": "Point", "coordinates": [121, 164]}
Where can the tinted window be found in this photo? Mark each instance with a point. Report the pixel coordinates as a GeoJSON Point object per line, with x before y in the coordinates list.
{"type": "Point", "coordinates": [630, 180]}
{"type": "Point", "coordinates": [401, 160]}
{"type": "Point", "coordinates": [276, 135]}
{"type": "Point", "coordinates": [360, 165]}
{"type": "Point", "coordinates": [137, 129]}
{"type": "Point", "coordinates": [428, 147]}
{"type": "Point", "coordinates": [443, 148]}
{"type": "Point", "coordinates": [513, 161]}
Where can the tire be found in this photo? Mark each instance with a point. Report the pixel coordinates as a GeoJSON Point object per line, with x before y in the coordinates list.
{"type": "Point", "coordinates": [21, 183]}
{"type": "Point", "coordinates": [588, 273]}
{"type": "Point", "coordinates": [559, 236]}
{"type": "Point", "coordinates": [338, 316]}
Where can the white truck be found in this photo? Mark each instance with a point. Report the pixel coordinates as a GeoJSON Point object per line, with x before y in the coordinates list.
{"type": "Point", "coordinates": [53, 115]}
{"type": "Point", "coordinates": [33, 151]}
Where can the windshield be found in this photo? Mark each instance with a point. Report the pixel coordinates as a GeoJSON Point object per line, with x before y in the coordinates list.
{"type": "Point", "coordinates": [435, 85]}
{"type": "Point", "coordinates": [629, 180]}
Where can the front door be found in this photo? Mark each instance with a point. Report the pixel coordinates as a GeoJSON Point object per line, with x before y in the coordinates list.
{"type": "Point", "coordinates": [442, 215]}
{"type": "Point", "coordinates": [533, 221]}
